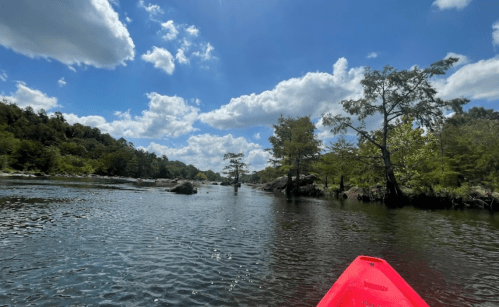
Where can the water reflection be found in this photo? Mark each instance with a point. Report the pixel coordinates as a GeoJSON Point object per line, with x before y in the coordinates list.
{"type": "Point", "coordinates": [123, 244]}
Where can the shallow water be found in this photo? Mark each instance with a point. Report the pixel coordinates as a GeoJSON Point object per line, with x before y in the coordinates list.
{"type": "Point", "coordinates": [113, 243]}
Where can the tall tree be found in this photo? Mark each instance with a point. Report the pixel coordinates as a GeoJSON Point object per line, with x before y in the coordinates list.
{"type": "Point", "coordinates": [236, 166]}
{"type": "Point", "coordinates": [393, 94]}
{"type": "Point", "coordinates": [294, 145]}
{"type": "Point", "coordinates": [340, 159]}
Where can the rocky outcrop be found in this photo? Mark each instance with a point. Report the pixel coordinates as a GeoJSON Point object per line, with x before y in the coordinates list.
{"type": "Point", "coordinates": [311, 190]}
{"type": "Point", "coordinates": [375, 193]}
{"type": "Point", "coordinates": [184, 188]}
{"type": "Point", "coordinates": [307, 186]}
{"type": "Point", "coordinates": [225, 183]}
{"type": "Point", "coordinates": [276, 185]}
{"type": "Point", "coordinates": [166, 182]}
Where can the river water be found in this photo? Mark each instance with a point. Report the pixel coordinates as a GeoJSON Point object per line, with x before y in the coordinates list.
{"type": "Point", "coordinates": [90, 242]}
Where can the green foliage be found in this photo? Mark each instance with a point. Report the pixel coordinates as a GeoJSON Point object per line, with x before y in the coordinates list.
{"type": "Point", "coordinates": [268, 174]}
{"type": "Point", "coordinates": [212, 176]}
{"type": "Point", "coordinates": [33, 141]}
{"type": "Point", "coordinates": [8, 143]}
{"type": "Point", "coordinates": [470, 147]}
{"type": "Point", "coordinates": [201, 176]}
{"type": "Point", "coordinates": [236, 167]}
{"type": "Point", "coordinates": [394, 94]}
{"type": "Point", "coordinates": [294, 144]}
{"type": "Point", "coordinates": [338, 164]}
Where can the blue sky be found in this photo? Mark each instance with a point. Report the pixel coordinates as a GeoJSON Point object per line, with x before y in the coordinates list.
{"type": "Point", "coordinates": [195, 79]}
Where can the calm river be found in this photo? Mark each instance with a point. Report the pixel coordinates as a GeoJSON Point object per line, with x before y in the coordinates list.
{"type": "Point", "coordinates": [89, 242]}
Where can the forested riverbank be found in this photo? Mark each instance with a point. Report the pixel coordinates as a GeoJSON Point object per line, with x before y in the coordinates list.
{"type": "Point", "coordinates": [453, 166]}
{"type": "Point", "coordinates": [411, 153]}
{"type": "Point", "coordinates": [35, 143]}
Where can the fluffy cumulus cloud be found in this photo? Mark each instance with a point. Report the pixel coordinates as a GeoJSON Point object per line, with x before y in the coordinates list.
{"type": "Point", "coordinates": [451, 4]}
{"type": "Point", "coordinates": [25, 96]}
{"type": "Point", "coordinates": [313, 94]}
{"type": "Point", "coordinates": [186, 40]}
{"type": "Point", "coordinates": [161, 58]}
{"type": "Point", "coordinates": [77, 32]}
{"type": "Point", "coordinates": [192, 30]}
{"type": "Point", "coordinates": [206, 54]}
{"type": "Point", "coordinates": [170, 29]}
{"type": "Point", "coordinates": [206, 151]}
{"type": "Point", "coordinates": [495, 34]}
{"type": "Point", "coordinates": [462, 58]}
{"type": "Point", "coordinates": [152, 9]}
{"type": "Point", "coordinates": [181, 58]}
{"type": "Point", "coordinates": [61, 82]}
{"type": "Point", "coordinates": [167, 116]}
{"type": "Point", "coordinates": [478, 80]}
{"type": "Point", "coordinates": [372, 55]}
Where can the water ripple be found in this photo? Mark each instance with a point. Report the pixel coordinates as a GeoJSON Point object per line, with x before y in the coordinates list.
{"type": "Point", "coordinates": [113, 244]}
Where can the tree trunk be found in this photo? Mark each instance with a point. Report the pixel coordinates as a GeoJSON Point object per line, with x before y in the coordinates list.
{"type": "Point", "coordinates": [342, 184]}
{"type": "Point", "coordinates": [289, 186]}
{"type": "Point", "coordinates": [393, 192]}
{"type": "Point", "coordinates": [325, 184]}
{"type": "Point", "coordinates": [296, 188]}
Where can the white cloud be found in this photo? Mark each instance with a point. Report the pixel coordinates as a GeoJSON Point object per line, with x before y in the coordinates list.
{"type": "Point", "coordinates": [3, 76]}
{"type": "Point", "coordinates": [128, 19]}
{"type": "Point", "coordinates": [478, 80]}
{"type": "Point", "coordinates": [196, 101]}
{"type": "Point", "coordinates": [206, 151]}
{"type": "Point", "coordinates": [61, 82]}
{"type": "Point", "coordinates": [495, 34]}
{"type": "Point", "coordinates": [171, 30]}
{"type": "Point", "coordinates": [206, 55]}
{"type": "Point", "coordinates": [71, 32]}
{"type": "Point", "coordinates": [181, 58]}
{"type": "Point", "coordinates": [462, 58]}
{"type": "Point", "coordinates": [25, 96]}
{"type": "Point", "coordinates": [161, 58]}
{"type": "Point", "coordinates": [185, 44]}
{"type": "Point", "coordinates": [167, 116]}
{"type": "Point", "coordinates": [414, 67]}
{"type": "Point", "coordinates": [192, 31]}
{"type": "Point", "coordinates": [372, 55]}
{"type": "Point", "coordinates": [449, 4]}
{"type": "Point", "coordinates": [312, 94]}
{"type": "Point", "coordinates": [93, 120]}
{"type": "Point", "coordinates": [324, 132]}
{"type": "Point", "coordinates": [152, 9]}
{"type": "Point", "coordinates": [257, 136]}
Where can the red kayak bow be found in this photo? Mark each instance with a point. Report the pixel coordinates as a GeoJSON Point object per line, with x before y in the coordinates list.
{"type": "Point", "coordinates": [371, 282]}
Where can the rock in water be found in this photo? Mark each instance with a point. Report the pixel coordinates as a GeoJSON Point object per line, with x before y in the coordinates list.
{"type": "Point", "coordinates": [183, 188]}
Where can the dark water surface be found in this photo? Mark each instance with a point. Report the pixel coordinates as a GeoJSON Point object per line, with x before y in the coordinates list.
{"type": "Point", "coordinates": [113, 243]}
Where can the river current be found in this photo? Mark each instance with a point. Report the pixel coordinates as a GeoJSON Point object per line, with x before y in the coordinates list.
{"type": "Point", "coordinates": [97, 242]}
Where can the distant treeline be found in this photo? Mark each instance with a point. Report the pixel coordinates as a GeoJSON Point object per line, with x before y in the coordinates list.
{"type": "Point", "coordinates": [34, 142]}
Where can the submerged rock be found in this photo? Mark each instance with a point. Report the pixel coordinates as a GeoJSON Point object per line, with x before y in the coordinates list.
{"type": "Point", "coordinates": [184, 188]}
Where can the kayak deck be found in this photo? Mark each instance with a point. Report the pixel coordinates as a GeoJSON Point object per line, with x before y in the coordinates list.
{"type": "Point", "coordinates": [371, 282]}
